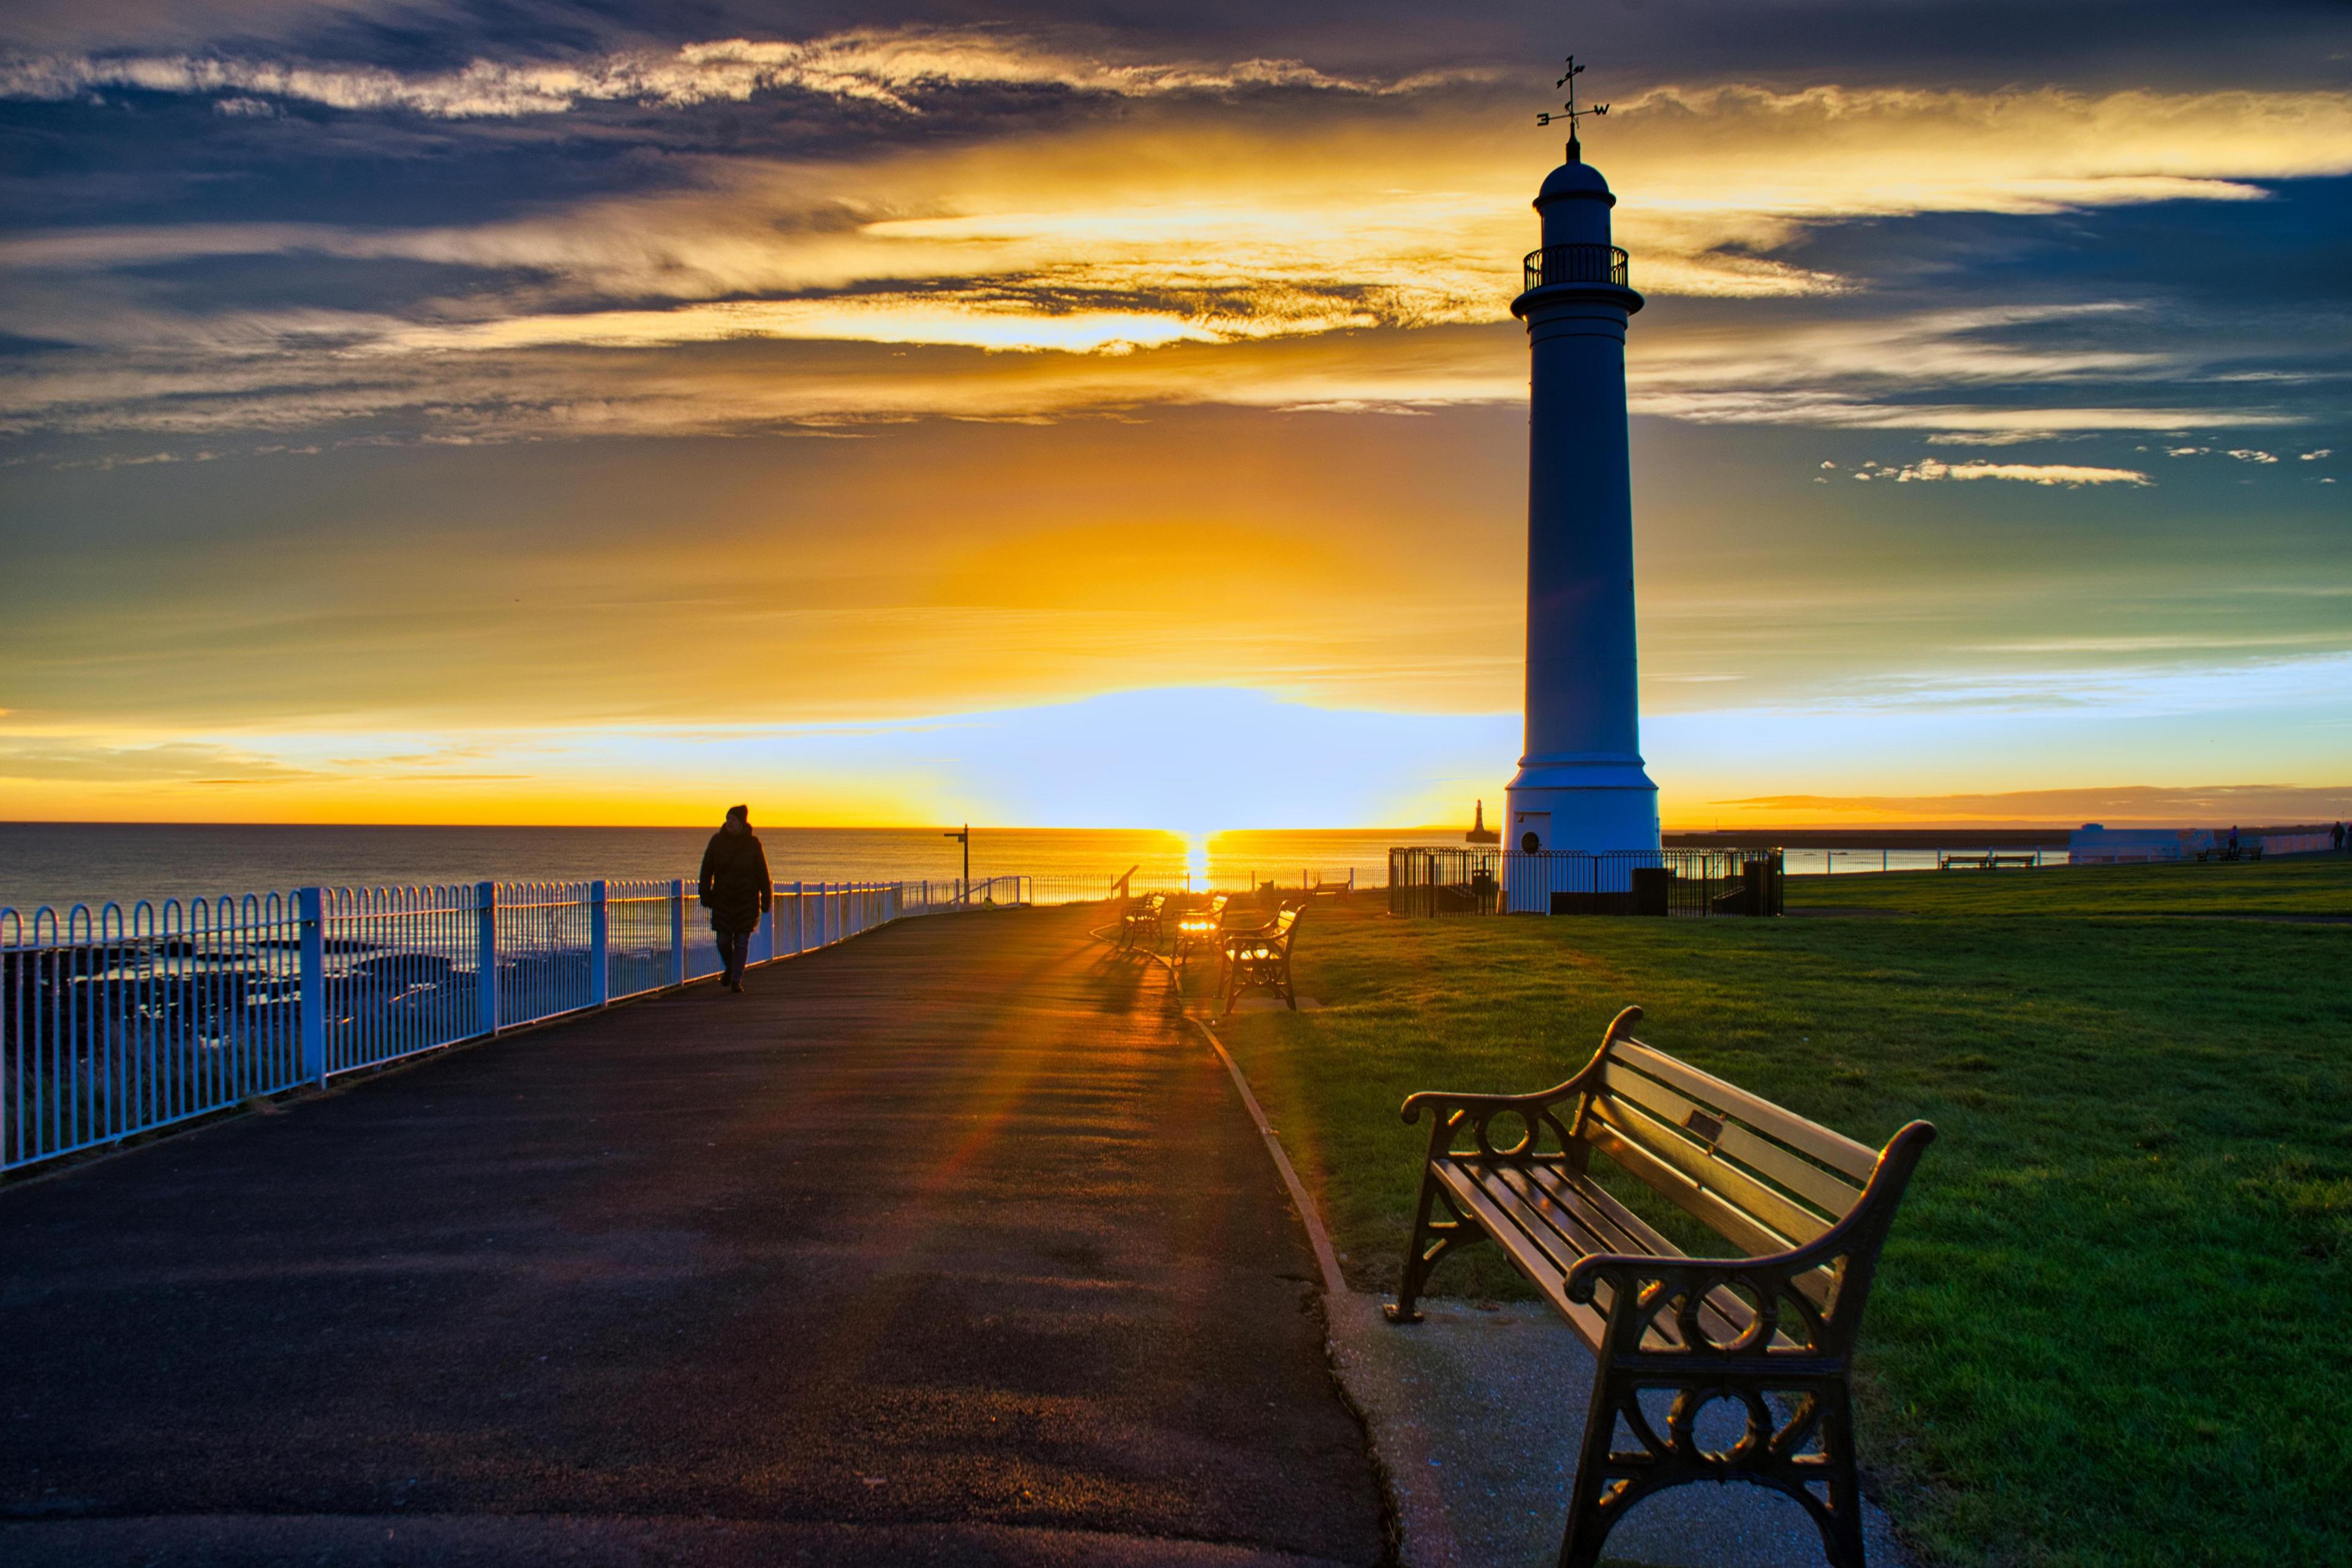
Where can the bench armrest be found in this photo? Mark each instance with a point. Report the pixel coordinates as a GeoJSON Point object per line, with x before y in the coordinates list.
{"type": "Point", "coordinates": [1642, 1288]}
{"type": "Point", "coordinates": [1446, 1101]}
{"type": "Point", "coordinates": [1647, 1293]}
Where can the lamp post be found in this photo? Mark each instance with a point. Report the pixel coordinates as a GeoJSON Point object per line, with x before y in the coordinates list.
{"type": "Point", "coordinates": [964, 897]}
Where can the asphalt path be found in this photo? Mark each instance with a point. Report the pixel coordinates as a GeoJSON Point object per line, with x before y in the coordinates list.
{"type": "Point", "coordinates": [950, 1245]}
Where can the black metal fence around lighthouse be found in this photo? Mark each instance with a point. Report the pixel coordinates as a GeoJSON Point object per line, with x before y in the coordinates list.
{"type": "Point", "coordinates": [1665, 882]}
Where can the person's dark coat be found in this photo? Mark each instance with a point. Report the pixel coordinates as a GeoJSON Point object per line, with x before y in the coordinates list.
{"type": "Point", "coordinates": [735, 884]}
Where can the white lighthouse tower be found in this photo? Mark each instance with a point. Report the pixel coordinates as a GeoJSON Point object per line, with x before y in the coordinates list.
{"type": "Point", "coordinates": [1580, 784]}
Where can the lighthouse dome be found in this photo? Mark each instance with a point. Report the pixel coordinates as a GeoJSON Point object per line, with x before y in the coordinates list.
{"type": "Point", "coordinates": [1575, 203]}
{"type": "Point", "coordinates": [1574, 178]}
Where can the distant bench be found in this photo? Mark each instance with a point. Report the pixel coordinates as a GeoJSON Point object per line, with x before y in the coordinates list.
{"type": "Point", "coordinates": [1258, 959]}
{"type": "Point", "coordinates": [1139, 922]}
{"type": "Point", "coordinates": [2231, 852]}
{"type": "Point", "coordinates": [1982, 860]}
{"type": "Point", "coordinates": [1772, 1328]}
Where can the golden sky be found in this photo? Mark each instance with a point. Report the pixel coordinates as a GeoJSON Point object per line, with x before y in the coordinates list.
{"type": "Point", "coordinates": [903, 421]}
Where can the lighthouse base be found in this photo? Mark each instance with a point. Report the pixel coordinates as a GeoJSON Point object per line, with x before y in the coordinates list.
{"type": "Point", "coordinates": [1588, 807]}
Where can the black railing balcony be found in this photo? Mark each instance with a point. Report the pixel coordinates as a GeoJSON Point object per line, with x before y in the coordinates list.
{"type": "Point", "coordinates": [1577, 264]}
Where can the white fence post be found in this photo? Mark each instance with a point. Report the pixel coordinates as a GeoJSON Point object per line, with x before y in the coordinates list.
{"type": "Point", "coordinates": [485, 955]}
{"type": "Point", "coordinates": [768, 926]}
{"type": "Point", "coordinates": [600, 947]}
{"type": "Point", "coordinates": [309, 901]}
{"type": "Point", "coordinates": [676, 933]}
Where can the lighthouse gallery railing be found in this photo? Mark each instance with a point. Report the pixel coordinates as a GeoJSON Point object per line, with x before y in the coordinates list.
{"type": "Point", "coordinates": [1577, 264]}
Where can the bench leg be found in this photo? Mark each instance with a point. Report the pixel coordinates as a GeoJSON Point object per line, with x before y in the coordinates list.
{"type": "Point", "coordinates": [1595, 1500]}
{"type": "Point", "coordinates": [1609, 1483]}
{"type": "Point", "coordinates": [1840, 1521]}
{"type": "Point", "coordinates": [1432, 1240]}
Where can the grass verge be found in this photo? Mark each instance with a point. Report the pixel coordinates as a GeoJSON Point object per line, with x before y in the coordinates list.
{"type": "Point", "coordinates": [2110, 1325]}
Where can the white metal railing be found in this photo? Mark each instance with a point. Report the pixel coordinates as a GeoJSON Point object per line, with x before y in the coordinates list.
{"type": "Point", "coordinates": [115, 1022]}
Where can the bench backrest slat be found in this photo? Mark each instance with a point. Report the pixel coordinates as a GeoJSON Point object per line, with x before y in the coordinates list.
{"type": "Point", "coordinates": [1827, 1194]}
{"type": "Point", "coordinates": [1815, 1142]}
{"type": "Point", "coordinates": [1645, 1165]}
{"type": "Point", "coordinates": [1789, 1221]}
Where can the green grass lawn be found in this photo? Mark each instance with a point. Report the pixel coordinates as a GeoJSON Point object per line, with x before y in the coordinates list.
{"type": "Point", "coordinates": [2112, 1324]}
{"type": "Point", "coordinates": [2320, 885]}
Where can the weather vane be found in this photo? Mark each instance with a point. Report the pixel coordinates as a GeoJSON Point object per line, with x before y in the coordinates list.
{"type": "Point", "coordinates": [1569, 112]}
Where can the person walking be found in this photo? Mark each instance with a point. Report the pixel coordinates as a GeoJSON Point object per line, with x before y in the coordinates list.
{"type": "Point", "coordinates": [736, 889]}
{"type": "Point", "coordinates": [2340, 836]}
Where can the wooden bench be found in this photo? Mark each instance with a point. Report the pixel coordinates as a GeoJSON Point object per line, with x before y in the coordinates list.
{"type": "Point", "coordinates": [1199, 927]}
{"type": "Point", "coordinates": [1770, 1329]}
{"type": "Point", "coordinates": [1259, 960]}
{"type": "Point", "coordinates": [1139, 922]}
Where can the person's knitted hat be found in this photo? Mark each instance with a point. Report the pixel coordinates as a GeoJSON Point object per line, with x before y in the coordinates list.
{"type": "Point", "coordinates": [741, 814]}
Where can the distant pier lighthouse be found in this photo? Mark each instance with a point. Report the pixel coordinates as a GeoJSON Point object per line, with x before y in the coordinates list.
{"type": "Point", "coordinates": [1580, 784]}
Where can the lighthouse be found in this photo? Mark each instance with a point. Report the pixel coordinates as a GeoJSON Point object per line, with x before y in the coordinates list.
{"type": "Point", "coordinates": [1580, 784]}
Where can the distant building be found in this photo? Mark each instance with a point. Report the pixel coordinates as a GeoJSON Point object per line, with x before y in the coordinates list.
{"type": "Point", "coordinates": [2095, 844]}
{"type": "Point", "coordinates": [1479, 832]}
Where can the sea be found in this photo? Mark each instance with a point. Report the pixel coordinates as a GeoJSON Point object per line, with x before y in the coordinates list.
{"type": "Point", "coordinates": [62, 864]}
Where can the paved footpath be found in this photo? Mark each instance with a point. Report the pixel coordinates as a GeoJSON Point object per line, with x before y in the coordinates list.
{"type": "Point", "coordinates": [945, 1246]}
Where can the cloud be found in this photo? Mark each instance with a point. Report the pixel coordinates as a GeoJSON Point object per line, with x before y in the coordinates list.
{"type": "Point", "coordinates": [1928, 470]}
{"type": "Point", "coordinates": [892, 69]}
{"type": "Point", "coordinates": [1990, 424]}
{"type": "Point", "coordinates": [2249, 455]}
{"type": "Point", "coordinates": [1162, 227]}
{"type": "Point", "coordinates": [1833, 149]}
{"type": "Point", "coordinates": [183, 763]}
{"type": "Point", "coordinates": [2314, 456]}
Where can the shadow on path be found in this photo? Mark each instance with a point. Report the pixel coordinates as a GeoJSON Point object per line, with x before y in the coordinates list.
{"type": "Point", "coordinates": [945, 1246]}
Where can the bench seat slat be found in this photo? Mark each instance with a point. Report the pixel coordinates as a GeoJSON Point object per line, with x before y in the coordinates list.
{"type": "Point", "coordinates": [1723, 1315]}
{"type": "Point", "coordinates": [1783, 1217]}
{"type": "Point", "coordinates": [1831, 1194]}
{"type": "Point", "coordinates": [1838, 1152]}
{"type": "Point", "coordinates": [1531, 1259]}
{"type": "Point", "coordinates": [1550, 1219]}
{"type": "Point", "coordinates": [1583, 1194]}
{"type": "Point", "coordinates": [1620, 1228]}
{"type": "Point", "coordinates": [1551, 1189]}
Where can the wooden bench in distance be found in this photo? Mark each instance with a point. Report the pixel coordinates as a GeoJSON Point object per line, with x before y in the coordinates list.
{"type": "Point", "coordinates": [1260, 961]}
{"type": "Point", "coordinates": [1771, 1329]}
{"type": "Point", "coordinates": [1139, 922]}
{"type": "Point", "coordinates": [1197, 927]}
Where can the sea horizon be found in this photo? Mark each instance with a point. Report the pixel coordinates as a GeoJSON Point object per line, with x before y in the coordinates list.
{"type": "Point", "coordinates": [64, 863]}
{"type": "Point", "coordinates": [61, 863]}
